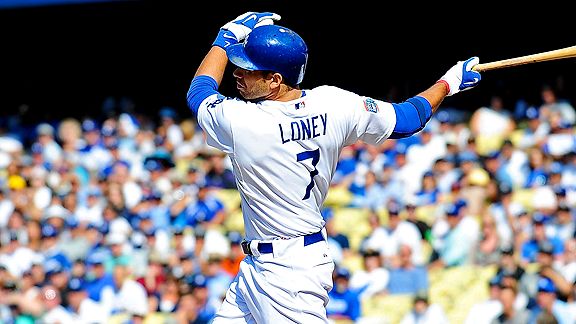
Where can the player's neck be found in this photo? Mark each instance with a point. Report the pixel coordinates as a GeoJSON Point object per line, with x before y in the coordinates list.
{"type": "Point", "coordinates": [287, 93]}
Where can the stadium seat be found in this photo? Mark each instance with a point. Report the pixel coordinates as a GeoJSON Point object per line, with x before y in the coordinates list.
{"type": "Point", "coordinates": [353, 222]}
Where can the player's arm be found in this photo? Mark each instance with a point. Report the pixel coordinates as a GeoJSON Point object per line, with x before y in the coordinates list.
{"type": "Point", "coordinates": [209, 74]}
{"type": "Point", "coordinates": [413, 114]}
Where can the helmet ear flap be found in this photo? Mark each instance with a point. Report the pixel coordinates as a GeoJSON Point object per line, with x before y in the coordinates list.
{"type": "Point", "coordinates": [274, 48]}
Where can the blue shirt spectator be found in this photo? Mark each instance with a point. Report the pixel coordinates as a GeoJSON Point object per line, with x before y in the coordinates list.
{"type": "Point", "coordinates": [344, 303]}
{"type": "Point", "coordinates": [406, 277]}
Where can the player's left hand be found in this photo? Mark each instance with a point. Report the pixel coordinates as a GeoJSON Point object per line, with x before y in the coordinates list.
{"type": "Point", "coordinates": [461, 77]}
{"type": "Point", "coordinates": [245, 23]}
{"type": "Point", "coordinates": [236, 30]}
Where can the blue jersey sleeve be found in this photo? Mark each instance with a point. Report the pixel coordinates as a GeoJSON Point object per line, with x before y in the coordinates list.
{"type": "Point", "coordinates": [201, 88]}
{"type": "Point", "coordinates": [411, 116]}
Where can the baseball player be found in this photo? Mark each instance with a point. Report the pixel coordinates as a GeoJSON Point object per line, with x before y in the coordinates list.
{"type": "Point", "coordinates": [284, 142]}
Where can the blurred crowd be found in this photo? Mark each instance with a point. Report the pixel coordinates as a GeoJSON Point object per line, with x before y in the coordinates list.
{"type": "Point", "coordinates": [118, 217]}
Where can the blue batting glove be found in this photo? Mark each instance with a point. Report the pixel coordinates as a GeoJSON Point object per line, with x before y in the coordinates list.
{"type": "Point", "coordinates": [461, 77]}
{"type": "Point", "coordinates": [236, 30]}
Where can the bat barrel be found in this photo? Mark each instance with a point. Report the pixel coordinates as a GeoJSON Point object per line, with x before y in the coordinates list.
{"type": "Point", "coordinates": [568, 52]}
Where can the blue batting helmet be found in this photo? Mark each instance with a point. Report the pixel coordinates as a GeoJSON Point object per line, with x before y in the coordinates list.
{"type": "Point", "coordinates": [272, 48]}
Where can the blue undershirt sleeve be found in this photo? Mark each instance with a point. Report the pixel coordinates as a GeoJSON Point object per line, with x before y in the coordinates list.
{"type": "Point", "coordinates": [411, 116]}
{"type": "Point", "coordinates": [201, 87]}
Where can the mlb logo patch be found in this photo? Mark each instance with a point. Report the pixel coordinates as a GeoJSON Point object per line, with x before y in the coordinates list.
{"type": "Point", "coordinates": [370, 105]}
{"type": "Point", "coordinates": [300, 105]}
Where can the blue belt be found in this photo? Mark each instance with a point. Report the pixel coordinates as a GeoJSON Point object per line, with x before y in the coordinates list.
{"type": "Point", "coordinates": [264, 248]}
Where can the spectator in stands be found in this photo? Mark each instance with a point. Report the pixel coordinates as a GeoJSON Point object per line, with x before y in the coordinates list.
{"type": "Point", "coordinates": [486, 310]}
{"type": "Point", "coordinates": [429, 193]}
{"type": "Point", "coordinates": [453, 246]}
{"type": "Point", "coordinates": [510, 312]}
{"type": "Point", "coordinates": [540, 241]}
{"type": "Point", "coordinates": [552, 103]}
{"type": "Point", "coordinates": [168, 129]}
{"type": "Point", "coordinates": [430, 147]}
{"type": "Point", "coordinates": [405, 276]}
{"type": "Point", "coordinates": [492, 123]}
{"type": "Point", "coordinates": [206, 306]}
{"type": "Point", "coordinates": [344, 303]}
{"type": "Point", "coordinates": [490, 244]}
{"type": "Point", "coordinates": [338, 241]}
{"type": "Point", "coordinates": [514, 162]}
{"type": "Point", "coordinates": [218, 173]}
{"type": "Point", "coordinates": [128, 296]}
{"type": "Point", "coordinates": [548, 303]}
{"type": "Point", "coordinates": [545, 268]}
{"type": "Point", "coordinates": [50, 149]}
{"type": "Point", "coordinates": [187, 309]}
{"type": "Point", "coordinates": [372, 279]}
{"type": "Point", "coordinates": [208, 210]}
{"type": "Point", "coordinates": [505, 211]}
{"type": "Point", "coordinates": [537, 174]}
{"type": "Point", "coordinates": [54, 312]}
{"type": "Point", "coordinates": [367, 192]}
{"type": "Point", "coordinates": [536, 130]}
{"type": "Point", "coordinates": [413, 217]}
{"type": "Point", "coordinates": [83, 308]}
{"type": "Point", "coordinates": [424, 312]}
{"type": "Point", "coordinates": [231, 262]}
{"type": "Point", "coordinates": [402, 232]}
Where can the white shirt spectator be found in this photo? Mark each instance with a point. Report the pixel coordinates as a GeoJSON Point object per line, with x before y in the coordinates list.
{"type": "Point", "coordinates": [90, 312]}
{"type": "Point", "coordinates": [370, 282]}
{"type": "Point", "coordinates": [6, 209]}
{"type": "Point", "coordinates": [58, 315]}
{"type": "Point", "coordinates": [434, 314]}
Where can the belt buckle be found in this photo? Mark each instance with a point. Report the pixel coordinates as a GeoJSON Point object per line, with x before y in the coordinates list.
{"type": "Point", "coordinates": [246, 247]}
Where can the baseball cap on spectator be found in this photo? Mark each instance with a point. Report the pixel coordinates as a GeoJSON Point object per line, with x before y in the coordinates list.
{"type": "Point", "coordinates": [16, 182]}
{"type": "Point", "coordinates": [342, 272]}
{"type": "Point", "coordinates": [428, 173]}
{"type": "Point", "coordinates": [504, 188]}
{"type": "Point", "coordinates": [167, 112]}
{"type": "Point", "coordinates": [36, 148]}
{"type": "Point", "coordinates": [563, 207]}
{"type": "Point", "coordinates": [507, 250]}
{"type": "Point", "coordinates": [199, 231]}
{"type": "Point", "coordinates": [539, 218]}
{"type": "Point", "coordinates": [370, 253]}
{"type": "Point", "coordinates": [393, 209]}
{"type": "Point", "coordinates": [49, 230]}
{"type": "Point", "coordinates": [199, 281]}
{"type": "Point", "coordinates": [96, 258]}
{"type": "Point", "coordinates": [546, 284]}
{"type": "Point", "coordinates": [492, 155]}
{"type": "Point", "coordinates": [89, 125]}
{"type": "Point", "coordinates": [153, 165]}
{"type": "Point", "coordinates": [108, 131]}
{"type": "Point", "coordinates": [52, 267]}
{"type": "Point", "coordinates": [443, 117]}
{"type": "Point", "coordinates": [546, 247]}
{"type": "Point", "coordinates": [559, 191]}
{"type": "Point", "coordinates": [532, 113]}
{"type": "Point", "coordinates": [453, 209]}
{"type": "Point", "coordinates": [235, 237]}
{"type": "Point", "coordinates": [556, 167]}
{"type": "Point", "coordinates": [44, 129]}
{"type": "Point", "coordinates": [467, 156]}
{"type": "Point", "coordinates": [76, 285]}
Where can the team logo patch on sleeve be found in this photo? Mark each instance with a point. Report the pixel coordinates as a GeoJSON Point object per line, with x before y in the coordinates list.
{"type": "Point", "coordinates": [370, 105]}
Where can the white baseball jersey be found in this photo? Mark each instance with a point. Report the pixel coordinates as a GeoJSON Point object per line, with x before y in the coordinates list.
{"type": "Point", "coordinates": [284, 154]}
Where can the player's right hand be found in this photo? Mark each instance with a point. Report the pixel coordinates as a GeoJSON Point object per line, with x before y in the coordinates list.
{"type": "Point", "coordinates": [236, 30]}
{"type": "Point", "coordinates": [461, 77]}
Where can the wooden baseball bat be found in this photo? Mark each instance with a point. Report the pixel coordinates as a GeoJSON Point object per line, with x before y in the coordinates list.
{"type": "Point", "coordinates": [562, 53]}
